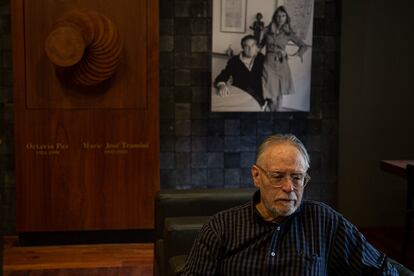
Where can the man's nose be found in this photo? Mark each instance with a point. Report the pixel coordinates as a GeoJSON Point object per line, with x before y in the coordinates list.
{"type": "Point", "coordinates": [287, 184]}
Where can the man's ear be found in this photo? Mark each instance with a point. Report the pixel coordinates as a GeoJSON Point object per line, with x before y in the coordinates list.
{"type": "Point", "coordinates": [256, 176]}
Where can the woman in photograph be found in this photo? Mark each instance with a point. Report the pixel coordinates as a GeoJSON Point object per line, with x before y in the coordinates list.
{"type": "Point", "coordinates": [277, 78]}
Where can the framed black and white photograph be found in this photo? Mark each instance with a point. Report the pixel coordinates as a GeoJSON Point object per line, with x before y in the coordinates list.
{"type": "Point", "coordinates": [266, 67]}
{"type": "Point", "coordinates": [233, 16]}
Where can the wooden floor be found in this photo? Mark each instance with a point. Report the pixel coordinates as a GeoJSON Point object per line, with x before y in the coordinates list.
{"type": "Point", "coordinates": [97, 259]}
{"type": "Point", "coordinates": [133, 258]}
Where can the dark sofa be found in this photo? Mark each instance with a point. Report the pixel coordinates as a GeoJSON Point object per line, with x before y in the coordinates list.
{"type": "Point", "coordinates": [179, 214]}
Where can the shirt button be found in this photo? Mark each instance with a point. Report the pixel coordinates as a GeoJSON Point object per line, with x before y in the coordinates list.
{"type": "Point", "coordinates": [273, 254]}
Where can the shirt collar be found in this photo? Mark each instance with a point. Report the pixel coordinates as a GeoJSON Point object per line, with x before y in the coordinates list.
{"type": "Point", "coordinates": [256, 215]}
{"type": "Point", "coordinates": [248, 62]}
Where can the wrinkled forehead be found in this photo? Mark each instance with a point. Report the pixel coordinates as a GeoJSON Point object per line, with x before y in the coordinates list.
{"type": "Point", "coordinates": [284, 157]}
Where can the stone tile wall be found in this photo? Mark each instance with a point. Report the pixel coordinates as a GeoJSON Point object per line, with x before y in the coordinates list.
{"type": "Point", "coordinates": [204, 149]}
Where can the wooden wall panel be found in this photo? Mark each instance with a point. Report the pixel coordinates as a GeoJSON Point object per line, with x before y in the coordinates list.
{"type": "Point", "coordinates": [126, 90]}
{"type": "Point", "coordinates": [86, 158]}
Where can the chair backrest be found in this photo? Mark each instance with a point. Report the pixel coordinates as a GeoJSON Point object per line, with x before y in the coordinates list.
{"type": "Point", "coordinates": [196, 202]}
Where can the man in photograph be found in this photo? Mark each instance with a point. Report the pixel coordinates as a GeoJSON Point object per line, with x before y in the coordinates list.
{"type": "Point", "coordinates": [245, 69]}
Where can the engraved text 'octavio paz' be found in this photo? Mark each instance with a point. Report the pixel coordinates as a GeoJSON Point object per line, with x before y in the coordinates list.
{"type": "Point", "coordinates": [47, 149]}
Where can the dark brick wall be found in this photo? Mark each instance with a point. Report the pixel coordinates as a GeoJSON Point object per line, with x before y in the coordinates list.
{"type": "Point", "coordinates": [204, 149]}
{"type": "Point", "coordinates": [200, 148]}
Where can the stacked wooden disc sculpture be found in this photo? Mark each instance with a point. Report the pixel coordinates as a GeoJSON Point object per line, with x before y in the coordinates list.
{"type": "Point", "coordinates": [85, 47]}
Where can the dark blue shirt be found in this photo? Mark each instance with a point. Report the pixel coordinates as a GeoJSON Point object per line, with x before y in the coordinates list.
{"type": "Point", "coordinates": [315, 240]}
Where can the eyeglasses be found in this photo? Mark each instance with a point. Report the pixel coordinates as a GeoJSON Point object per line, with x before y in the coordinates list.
{"type": "Point", "coordinates": [299, 180]}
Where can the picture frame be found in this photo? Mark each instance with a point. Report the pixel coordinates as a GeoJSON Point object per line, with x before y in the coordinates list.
{"type": "Point", "coordinates": [233, 16]}
{"type": "Point", "coordinates": [226, 46]}
{"type": "Point", "coordinates": [279, 3]}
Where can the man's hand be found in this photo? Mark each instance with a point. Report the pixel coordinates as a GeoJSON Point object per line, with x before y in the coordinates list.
{"type": "Point", "coordinates": [223, 90]}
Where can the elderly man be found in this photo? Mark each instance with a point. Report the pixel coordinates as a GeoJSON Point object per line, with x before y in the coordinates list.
{"type": "Point", "coordinates": [246, 71]}
{"type": "Point", "coordinates": [278, 233]}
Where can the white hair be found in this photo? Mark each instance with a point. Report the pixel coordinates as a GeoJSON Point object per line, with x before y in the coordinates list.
{"type": "Point", "coordinates": [278, 139]}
